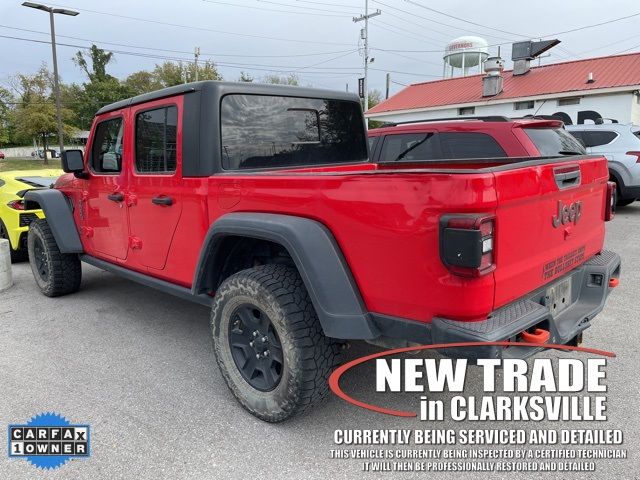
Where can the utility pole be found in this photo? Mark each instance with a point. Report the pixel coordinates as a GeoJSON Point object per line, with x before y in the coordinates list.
{"type": "Point", "coordinates": [365, 37]}
{"type": "Point", "coordinates": [56, 82]}
{"type": "Point", "coordinates": [386, 96]}
{"type": "Point", "coordinates": [196, 54]}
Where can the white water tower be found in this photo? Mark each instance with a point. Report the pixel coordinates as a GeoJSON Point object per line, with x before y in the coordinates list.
{"type": "Point", "coordinates": [465, 56]}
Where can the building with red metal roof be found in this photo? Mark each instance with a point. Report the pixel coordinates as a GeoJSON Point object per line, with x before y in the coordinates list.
{"type": "Point", "coordinates": [577, 91]}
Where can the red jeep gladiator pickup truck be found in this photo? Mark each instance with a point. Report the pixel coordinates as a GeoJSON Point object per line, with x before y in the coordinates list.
{"type": "Point", "coordinates": [260, 202]}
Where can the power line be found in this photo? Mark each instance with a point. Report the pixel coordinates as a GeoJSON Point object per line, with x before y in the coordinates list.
{"type": "Point", "coordinates": [328, 60]}
{"type": "Point", "coordinates": [421, 37]}
{"type": "Point", "coordinates": [395, 31]}
{"type": "Point", "coordinates": [413, 14]}
{"type": "Point", "coordinates": [406, 73]}
{"type": "Point", "coordinates": [464, 20]}
{"type": "Point", "coordinates": [272, 68]}
{"type": "Point", "coordinates": [592, 25]}
{"type": "Point", "coordinates": [204, 29]}
{"type": "Point", "coordinates": [250, 7]}
{"type": "Point", "coordinates": [304, 7]}
{"type": "Point", "coordinates": [431, 30]}
{"type": "Point", "coordinates": [412, 58]}
{"type": "Point", "coordinates": [176, 51]}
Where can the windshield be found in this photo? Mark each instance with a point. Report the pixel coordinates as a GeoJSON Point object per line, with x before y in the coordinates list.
{"type": "Point", "coordinates": [554, 141]}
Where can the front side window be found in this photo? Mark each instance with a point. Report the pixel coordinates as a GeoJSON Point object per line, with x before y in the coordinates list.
{"type": "Point", "coordinates": [106, 153]}
{"type": "Point", "coordinates": [554, 141]}
{"type": "Point", "coordinates": [156, 133]}
{"type": "Point", "coordinates": [260, 131]}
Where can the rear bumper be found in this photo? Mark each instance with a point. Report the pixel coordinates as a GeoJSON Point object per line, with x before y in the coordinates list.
{"type": "Point", "coordinates": [589, 291]}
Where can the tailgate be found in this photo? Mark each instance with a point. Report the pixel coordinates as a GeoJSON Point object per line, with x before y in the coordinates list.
{"type": "Point", "coordinates": [550, 219]}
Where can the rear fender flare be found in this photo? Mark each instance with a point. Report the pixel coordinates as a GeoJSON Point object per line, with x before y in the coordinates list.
{"type": "Point", "coordinates": [315, 253]}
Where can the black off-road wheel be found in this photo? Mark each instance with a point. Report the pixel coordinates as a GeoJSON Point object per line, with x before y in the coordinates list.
{"type": "Point", "coordinates": [55, 273]}
{"type": "Point", "coordinates": [269, 343]}
{"type": "Point", "coordinates": [19, 255]}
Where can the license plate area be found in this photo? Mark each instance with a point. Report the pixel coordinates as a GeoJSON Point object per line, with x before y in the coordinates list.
{"type": "Point", "coordinates": [559, 296]}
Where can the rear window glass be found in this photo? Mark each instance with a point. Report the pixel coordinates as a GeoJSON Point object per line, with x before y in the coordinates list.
{"type": "Point", "coordinates": [597, 138]}
{"type": "Point", "coordinates": [470, 145]}
{"type": "Point", "coordinates": [373, 141]}
{"type": "Point", "coordinates": [267, 131]}
{"type": "Point", "coordinates": [440, 146]}
{"type": "Point", "coordinates": [410, 147]}
{"type": "Point", "coordinates": [554, 141]}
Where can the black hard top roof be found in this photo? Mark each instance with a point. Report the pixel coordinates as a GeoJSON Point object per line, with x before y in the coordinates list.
{"type": "Point", "coordinates": [223, 88]}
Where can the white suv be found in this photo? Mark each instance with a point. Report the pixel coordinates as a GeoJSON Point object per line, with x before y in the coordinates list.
{"type": "Point", "coordinates": [621, 145]}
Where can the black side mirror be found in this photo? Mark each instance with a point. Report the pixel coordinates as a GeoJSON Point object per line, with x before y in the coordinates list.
{"type": "Point", "coordinates": [72, 161]}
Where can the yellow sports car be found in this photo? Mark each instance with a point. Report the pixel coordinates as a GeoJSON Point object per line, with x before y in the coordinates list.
{"type": "Point", "coordinates": [14, 219]}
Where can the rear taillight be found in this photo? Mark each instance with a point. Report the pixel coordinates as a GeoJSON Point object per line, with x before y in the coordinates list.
{"type": "Point", "coordinates": [16, 204]}
{"type": "Point", "coordinates": [610, 199]}
{"type": "Point", "coordinates": [635, 154]}
{"type": "Point", "coordinates": [467, 244]}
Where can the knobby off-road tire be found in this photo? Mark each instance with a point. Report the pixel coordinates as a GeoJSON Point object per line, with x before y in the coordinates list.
{"type": "Point", "coordinates": [55, 273]}
{"type": "Point", "coordinates": [19, 255]}
{"type": "Point", "coordinates": [271, 300]}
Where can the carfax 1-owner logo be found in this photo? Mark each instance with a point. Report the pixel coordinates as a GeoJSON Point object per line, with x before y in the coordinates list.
{"type": "Point", "coordinates": [49, 440]}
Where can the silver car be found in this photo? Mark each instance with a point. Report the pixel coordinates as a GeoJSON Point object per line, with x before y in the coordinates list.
{"type": "Point", "coordinates": [621, 145]}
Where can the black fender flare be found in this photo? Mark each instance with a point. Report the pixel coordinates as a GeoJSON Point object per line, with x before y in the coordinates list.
{"type": "Point", "coordinates": [59, 216]}
{"type": "Point", "coordinates": [318, 258]}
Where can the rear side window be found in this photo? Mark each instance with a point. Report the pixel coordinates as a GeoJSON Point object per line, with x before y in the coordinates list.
{"type": "Point", "coordinates": [554, 141]}
{"type": "Point", "coordinates": [410, 147]}
{"type": "Point", "coordinates": [156, 132]}
{"type": "Point", "coordinates": [594, 138]}
{"type": "Point", "coordinates": [373, 141]}
{"type": "Point", "coordinates": [106, 152]}
{"type": "Point", "coordinates": [470, 145]}
{"type": "Point", "coordinates": [260, 131]}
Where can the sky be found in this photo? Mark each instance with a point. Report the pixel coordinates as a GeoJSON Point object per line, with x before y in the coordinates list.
{"type": "Point", "coordinates": [315, 39]}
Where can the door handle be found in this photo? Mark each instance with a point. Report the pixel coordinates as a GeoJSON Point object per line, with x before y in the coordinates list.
{"type": "Point", "coordinates": [116, 197]}
{"type": "Point", "coordinates": [166, 201]}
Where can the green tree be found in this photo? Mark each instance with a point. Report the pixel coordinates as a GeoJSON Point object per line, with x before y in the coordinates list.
{"type": "Point", "coordinates": [6, 102]}
{"type": "Point", "coordinates": [99, 60]}
{"type": "Point", "coordinates": [375, 97]}
{"type": "Point", "coordinates": [291, 79]}
{"type": "Point", "coordinates": [169, 74]}
{"type": "Point", "coordinates": [142, 82]}
{"type": "Point", "coordinates": [245, 77]}
{"type": "Point", "coordinates": [100, 90]}
{"type": "Point", "coordinates": [35, 112]}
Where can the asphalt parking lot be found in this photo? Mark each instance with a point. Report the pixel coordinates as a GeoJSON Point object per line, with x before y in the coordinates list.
{"type": "Point", "coordinates": [137, 365]}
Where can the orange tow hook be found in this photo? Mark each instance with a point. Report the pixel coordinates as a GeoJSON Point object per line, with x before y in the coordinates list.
{"type": "Point", "coordinates": [537, 336]}
{"type": "Point", "coordinates": [614, 282]}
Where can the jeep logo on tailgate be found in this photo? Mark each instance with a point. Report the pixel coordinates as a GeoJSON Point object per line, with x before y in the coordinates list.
{"type": "Point", "coordinates": [567, 213]}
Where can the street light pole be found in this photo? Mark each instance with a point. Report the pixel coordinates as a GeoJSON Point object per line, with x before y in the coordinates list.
{"type": "Point", "coordinates": [56, 84]}
{"type": "Point", "coordinates": [56, 81]}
